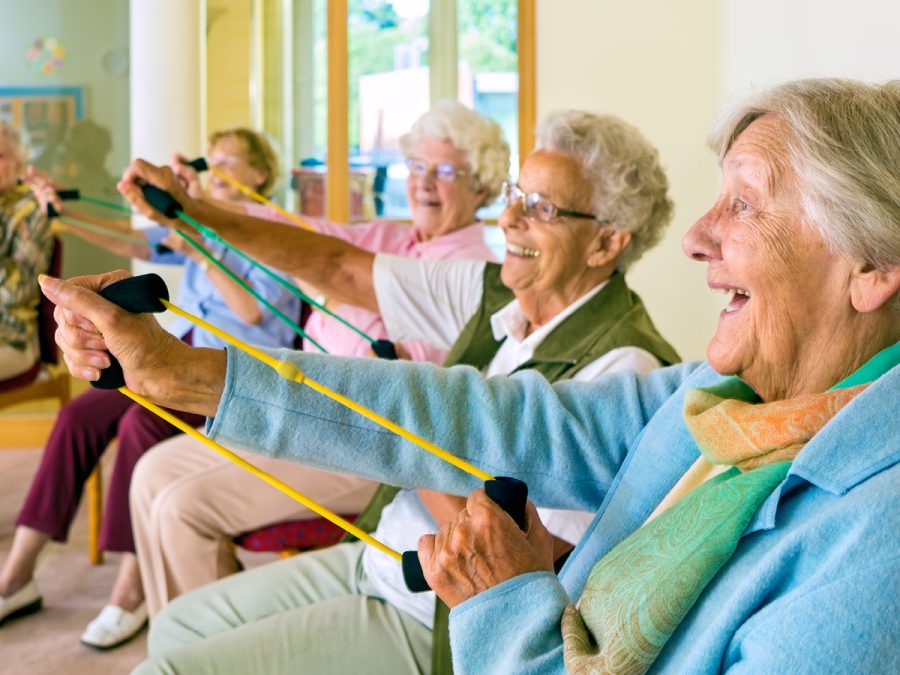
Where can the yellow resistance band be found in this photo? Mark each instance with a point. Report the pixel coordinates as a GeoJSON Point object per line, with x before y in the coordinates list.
{"type": "Point", "coordinates": [293, 217]}
{"type": "Point", "coordinates": [292, 373]}
{"type": "Point", "coordinates": [345, 525]}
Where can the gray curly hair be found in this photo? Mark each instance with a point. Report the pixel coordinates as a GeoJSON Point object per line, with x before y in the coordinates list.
{"type": "Point", "coordinates": [480, 137]}
{"type": "Point", "coordinates": [844, 147]}
{"type": "Point", "coordinates": [630, 186]}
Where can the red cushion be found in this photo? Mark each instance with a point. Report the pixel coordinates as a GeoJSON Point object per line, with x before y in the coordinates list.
{"type": "Point", "coordinates": [301, 535]}
{"type": "Point", "coordinates": [22, 380]}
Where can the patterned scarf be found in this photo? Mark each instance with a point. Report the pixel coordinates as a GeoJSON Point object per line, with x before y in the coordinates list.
{"type": "Point", "coordinates": [637, 595]}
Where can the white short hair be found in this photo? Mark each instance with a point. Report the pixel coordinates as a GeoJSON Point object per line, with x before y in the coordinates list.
{"type": "Point", "coordinates": [19, 139]}
{"type": "Point", "coordinates": [844, 147]}
{"type": "Point", "coordinates": [630, 188]}
{"type": "Point", "coordinates": [480, 137]}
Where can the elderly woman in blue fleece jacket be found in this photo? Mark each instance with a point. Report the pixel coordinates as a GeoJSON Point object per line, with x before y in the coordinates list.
{"type": "Point", "coordinates": [747, 506]}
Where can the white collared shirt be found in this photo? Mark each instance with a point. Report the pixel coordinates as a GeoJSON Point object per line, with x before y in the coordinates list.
{"type": "Point", "coordinates": [433, 300]}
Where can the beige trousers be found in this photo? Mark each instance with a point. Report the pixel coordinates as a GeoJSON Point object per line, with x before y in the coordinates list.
{"type": "Point", "coordinates": [188, 502]}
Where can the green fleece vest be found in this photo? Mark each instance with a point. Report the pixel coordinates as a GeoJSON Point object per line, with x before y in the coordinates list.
{"type": "Point", "coordinates": [615, 317]}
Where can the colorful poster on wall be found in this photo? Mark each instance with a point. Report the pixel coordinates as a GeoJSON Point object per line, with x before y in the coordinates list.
{"type": "Point", "coordinates": [45, 113]}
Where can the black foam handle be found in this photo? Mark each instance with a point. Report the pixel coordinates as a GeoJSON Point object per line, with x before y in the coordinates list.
{"type": "Point", "coordinates": [65, 195]}
{"type": "Point", "coordinates": [161, 200]}
{"type": "Point", "coordinates": [136, 294]}
{"type": "Point", "coordinates": [384, 349]}
{"type": "Point", "coordinates": [199, 165]}
{"type": "Point", "coordinates": [412, 573]}
{"type": "Point", "coordinates": [510, 494]}
{"type": "Point", "coordinates": [69, 193]}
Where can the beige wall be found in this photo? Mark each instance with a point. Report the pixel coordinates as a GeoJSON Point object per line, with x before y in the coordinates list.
{"type": "Point", "coordinates": [228, 63]}
{"type": "Point", "coordinates": [667, 67]}
{"type": "Point", "coordinates": [654, 64]}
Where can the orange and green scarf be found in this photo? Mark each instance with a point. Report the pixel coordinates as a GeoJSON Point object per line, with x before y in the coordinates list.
{"type": "Point", "coordinates": [637, 595]}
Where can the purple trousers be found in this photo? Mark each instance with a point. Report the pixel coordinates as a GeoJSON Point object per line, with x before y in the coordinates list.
{"type": "Point", "coordinates": [83, 429]}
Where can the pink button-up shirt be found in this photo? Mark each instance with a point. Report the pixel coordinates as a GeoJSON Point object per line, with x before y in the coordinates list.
{"type": "Point", "coordinates": [382, 236]}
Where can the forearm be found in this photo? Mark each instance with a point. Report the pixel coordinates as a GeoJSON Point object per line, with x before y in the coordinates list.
{"type": "Point", "coordinates": [117, 225]}
{"type": "Point", "coordinates": [240, 301]}
{"type": "Point", "coordinates": [119, 246]}
{"type": "Point", "coordinates": [192, 382]}
{"type": "Point", "coordinates": [336, 268]}
{"type": "Point", "coordinates": [442, 507]}
{"type": "Point", "coordinates": [511, 628]}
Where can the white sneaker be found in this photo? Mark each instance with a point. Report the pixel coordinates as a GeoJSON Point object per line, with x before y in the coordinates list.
{"type": "Point", "coordinates": [114, 626]}
{"type": "Point", "coordinates": [24, 601]}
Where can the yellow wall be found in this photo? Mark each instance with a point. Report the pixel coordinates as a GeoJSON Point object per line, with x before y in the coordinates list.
{"type": "Point", "coordinates": [228, 63]}
{"type": "Point", "coordinates": [653, 63]}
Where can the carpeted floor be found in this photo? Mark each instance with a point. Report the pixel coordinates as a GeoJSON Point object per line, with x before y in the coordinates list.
{"type": "Point", "coordinates": [74, 592]}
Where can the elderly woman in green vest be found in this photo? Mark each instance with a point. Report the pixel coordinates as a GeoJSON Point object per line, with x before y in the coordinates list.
{"type": "Point", "coordinates": [558, 305]}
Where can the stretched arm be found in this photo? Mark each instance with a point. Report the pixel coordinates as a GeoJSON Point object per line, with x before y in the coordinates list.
{"type": "Point", "coordinates": [335, 267]}
{"type": "Point", "coordinates": [238, 299]}
{"type": "Point", "coordinates": [117, 245]}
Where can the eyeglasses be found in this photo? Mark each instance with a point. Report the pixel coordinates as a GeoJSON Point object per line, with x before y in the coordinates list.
{"type": "Point", "coordinates": [444, 172]}
{"type": "Point", "coordinates": [223, 161]}
{"type": "Point", "coordinates": [536, 206]}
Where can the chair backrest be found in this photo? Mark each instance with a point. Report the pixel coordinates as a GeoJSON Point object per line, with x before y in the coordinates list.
{"type": "Point", "coordinates": [46, 322]}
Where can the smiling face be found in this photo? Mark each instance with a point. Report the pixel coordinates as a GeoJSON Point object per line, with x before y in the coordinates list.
{"type": "Point", "coordinates": [439, 207]}
{"type": "Point", "coordinates": [10, 165]}
{"type": "Point", "coordinates": [229, 155]}
{"type": "Point", "coordinates": [788, 295]}
{"type": "Point", "coordinates": [559, 261]}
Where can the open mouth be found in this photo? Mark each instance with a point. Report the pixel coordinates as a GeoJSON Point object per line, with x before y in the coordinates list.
{"type": "Point", "coordinates": [738, 297]}
{"type": "Point", "coordinates": [429, 203]}
{"type": "Point", "coordinates": [522, 251]}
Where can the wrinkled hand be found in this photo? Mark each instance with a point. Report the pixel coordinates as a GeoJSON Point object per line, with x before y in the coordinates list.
{"type": "Point", "coordinates": [44, 189]}
{"type": "Point", "coordinates": [140, 173]}
{"type": "Point", "coordinates": [88, 326]}
{"type": "Point", "coordinates": [481, 548]}
{"type": "Point", "coordinates": [187, 176]}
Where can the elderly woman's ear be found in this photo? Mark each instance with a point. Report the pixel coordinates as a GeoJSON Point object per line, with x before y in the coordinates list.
{"type": "Point", "coordinates": [608, 246]}
{"type": "Point", "coordinates": [871, 288]}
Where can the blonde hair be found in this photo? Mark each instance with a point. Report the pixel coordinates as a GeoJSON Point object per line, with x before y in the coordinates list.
{"type": "Point", "coordinates": [261, 153]}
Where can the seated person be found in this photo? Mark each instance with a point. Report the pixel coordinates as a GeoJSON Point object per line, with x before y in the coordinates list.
{"type": "Point", "coordinates": [26, 246]}
{"type": "Point", "coordinates": [559, 305]}
{"type": "Point", "coordinates": [87, 424]}
{"type": "Point", "coordinates": [746, 505]}
{"type": "Point", "coordinates": [187, 502]}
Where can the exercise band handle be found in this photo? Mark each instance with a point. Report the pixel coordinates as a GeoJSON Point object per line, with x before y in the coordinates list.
{"type": "Point", "coordinates": [199, 165]}
{"type": "Point", "coordinates": [137, 295]}
{"type": "Point", "coordinates": [161, 200]}
{"type": "Point", "coordinates": [66, 195]}
{"type": "Point", "coordinates": [510, 494]}
{"type": "Point", "coordinates": [384, 349]}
